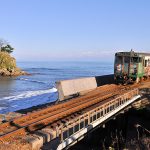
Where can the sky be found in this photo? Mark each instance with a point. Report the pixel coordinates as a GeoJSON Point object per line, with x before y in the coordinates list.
{"type": "Point", "coordinates": [44, 30]}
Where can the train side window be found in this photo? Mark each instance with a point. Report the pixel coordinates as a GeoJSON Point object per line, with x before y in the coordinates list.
{"type": "Point", "coordinates": [140, 59]}
{"type": "Point", "coordinates": [146, 63]}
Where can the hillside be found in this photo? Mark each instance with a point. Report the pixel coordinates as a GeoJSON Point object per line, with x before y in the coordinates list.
{"type": "Point", "coordinates": [8, 66]}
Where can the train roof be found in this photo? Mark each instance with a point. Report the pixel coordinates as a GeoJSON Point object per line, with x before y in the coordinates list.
{"type": "Point", "coordinates": [132, 54]}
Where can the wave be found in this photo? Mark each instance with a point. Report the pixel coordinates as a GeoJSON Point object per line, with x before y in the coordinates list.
{"type": "Point", "coordinates": [29, 94]}
{"type": "Point", "coordinates": [42, 69]}
{"type": "Point", "coordinates": [24, 79]}
{"type": "Point", "coordinates": [1, 108]}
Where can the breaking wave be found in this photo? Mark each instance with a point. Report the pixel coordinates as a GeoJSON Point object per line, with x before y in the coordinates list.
{"type": "Point", "coordinates": [29, 94]}
{"type": "Point", "coordinates": [1, 108]}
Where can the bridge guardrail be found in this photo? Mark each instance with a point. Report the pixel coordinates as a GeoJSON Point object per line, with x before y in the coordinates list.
{"type": "Point", "coordinates": [101, 112]}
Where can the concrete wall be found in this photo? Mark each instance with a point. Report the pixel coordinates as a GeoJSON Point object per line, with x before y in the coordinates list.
{"type": "Point", "coordinates": [67, 88]}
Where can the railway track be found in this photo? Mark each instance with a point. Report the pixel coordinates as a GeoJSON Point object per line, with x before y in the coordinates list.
{"type": "Point", "coordinates": [39, 119]}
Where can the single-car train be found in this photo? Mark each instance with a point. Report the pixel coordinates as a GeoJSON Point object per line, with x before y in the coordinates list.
{"type": "Point", "coordinates": [131, 67]}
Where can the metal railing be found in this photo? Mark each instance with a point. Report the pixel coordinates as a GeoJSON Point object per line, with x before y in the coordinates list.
{"type": "Point", "coordinates": [83, 121]}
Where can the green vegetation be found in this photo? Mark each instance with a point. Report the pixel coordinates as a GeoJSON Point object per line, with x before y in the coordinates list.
{"type": "Point", "coordinates": [7, 49]}
{"type": "Point", "coordinates": [7, 63]}
{"type": "Point", "coordinates": [5, 46]}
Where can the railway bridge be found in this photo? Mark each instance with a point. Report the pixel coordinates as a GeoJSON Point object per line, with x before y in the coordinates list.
{"type": "Point", "coordinates": [66, 122]}
{"type": "Point", "coordinates": [76, 128]}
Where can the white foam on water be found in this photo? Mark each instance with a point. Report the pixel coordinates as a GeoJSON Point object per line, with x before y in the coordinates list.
{"type": "Point", "coordinates": [29, 94]}
{"type": "Point", "coordinates": [1, 108]}
{"type": "Point", "coordinates": [24, 79]}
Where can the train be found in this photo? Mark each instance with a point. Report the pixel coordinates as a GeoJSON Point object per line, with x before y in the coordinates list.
{"type": "Point", "coordinates": [131, 67]}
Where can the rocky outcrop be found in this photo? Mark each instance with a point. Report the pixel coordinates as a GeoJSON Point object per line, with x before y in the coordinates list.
{"type": "Point", "coordinates": [18, 72]}
{"type": "Point", "coordinates": [8, 66]}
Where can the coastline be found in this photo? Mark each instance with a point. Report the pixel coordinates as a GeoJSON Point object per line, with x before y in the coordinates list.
{"type": "Point", "coordinates": [18, 72]}
{"type": "Point", "coordinates": [116, 126]}
{"type": "Point", "coordinates": [8, 65]}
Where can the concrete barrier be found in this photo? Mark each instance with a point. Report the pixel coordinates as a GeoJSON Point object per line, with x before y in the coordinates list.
{"type": "Point", "coordinates": [105, 79]}
{"type": "Point", "coordinates": [68, 88]}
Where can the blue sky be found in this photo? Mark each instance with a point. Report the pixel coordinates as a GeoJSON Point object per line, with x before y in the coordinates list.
{"type": "Point", "coordinates": [43, 30]}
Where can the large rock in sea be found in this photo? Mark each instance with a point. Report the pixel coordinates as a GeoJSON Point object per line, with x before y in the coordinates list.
{"type": "Point", "coordinates": [8, 66]}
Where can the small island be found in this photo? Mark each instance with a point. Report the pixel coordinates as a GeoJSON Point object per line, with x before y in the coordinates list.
{"type": "Point", "coordinates": [8, 65]}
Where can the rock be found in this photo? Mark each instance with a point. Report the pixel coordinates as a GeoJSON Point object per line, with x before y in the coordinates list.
{"type": "Point", "coordinates": [8, 66]}
{"type": "Point", "coordinates": [4, 72]}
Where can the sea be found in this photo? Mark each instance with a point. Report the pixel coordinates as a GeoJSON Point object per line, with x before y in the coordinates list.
{"type": "Point", "coordinates": [39, 88]}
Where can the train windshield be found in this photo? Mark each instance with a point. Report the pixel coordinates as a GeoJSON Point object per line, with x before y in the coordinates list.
{"type": "Point", "coordinates": [118, 60]}
{"type": "Point", "coordinates": [126, 59]}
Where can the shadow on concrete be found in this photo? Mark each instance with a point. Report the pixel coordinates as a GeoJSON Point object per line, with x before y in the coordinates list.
{"type": "Point", "coordinates": [105, 79]}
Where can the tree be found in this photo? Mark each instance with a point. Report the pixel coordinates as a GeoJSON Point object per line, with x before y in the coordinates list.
{"type": "Point", "coordinates": [5, 46]}
{"type": "Point", "coordinates": [7, 49]}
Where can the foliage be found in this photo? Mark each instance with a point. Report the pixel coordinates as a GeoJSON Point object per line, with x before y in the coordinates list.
{"type": "Point", "coordinates": [7, 49]}
{"type": "Point", "coordinates": [5, 46]}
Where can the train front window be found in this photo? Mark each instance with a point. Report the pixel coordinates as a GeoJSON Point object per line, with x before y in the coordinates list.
{"type": "Point", "coordinates": [118, 60]}
{"type": "Point", "coordinates": [126, 59]}
{"type": "Point", "coordinates": [146, 63]}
